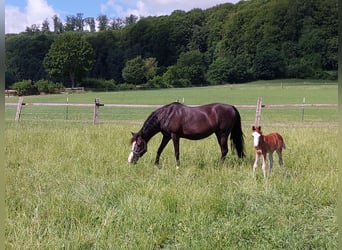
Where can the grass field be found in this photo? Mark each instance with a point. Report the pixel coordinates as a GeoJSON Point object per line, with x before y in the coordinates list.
{"type": "Point", "coordinates": [272, 92]}
{"type": "Point", "coordinates": [69, 184]}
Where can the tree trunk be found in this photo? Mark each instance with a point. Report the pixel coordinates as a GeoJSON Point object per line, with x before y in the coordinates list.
{"type": "Point", "coordinates": [72, 78]}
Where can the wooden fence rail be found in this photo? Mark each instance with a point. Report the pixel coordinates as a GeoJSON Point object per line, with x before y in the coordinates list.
{"type": "Point", "coordinates": [96, 105]}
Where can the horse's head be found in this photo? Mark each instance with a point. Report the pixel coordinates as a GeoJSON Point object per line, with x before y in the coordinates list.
{"type": "Point", "coordinates": [256, 133]}
{"type": "Point", "coordinates": [139, 147]}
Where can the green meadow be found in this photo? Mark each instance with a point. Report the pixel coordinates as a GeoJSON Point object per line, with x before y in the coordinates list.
{"type": "Point", "coordinates": [272, 92]}
{"type": "Point", "coordinates": [69, 186]}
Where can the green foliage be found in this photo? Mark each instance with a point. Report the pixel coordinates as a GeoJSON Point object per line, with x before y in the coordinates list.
{"type": "Point", "coordinates": [268, 63]}
{"type": "Point", "coordinates": [139, 71]}
{"type": "Point", "coordinates": [108, 55]}
{"type": "Point", "coordinates": [217, 72]}
{"type": "Point", "coordinates": [230, 70]}
{"type": "Point", "coordinates": [173, 78]}
{"type": "Point", "coordinates": [151, 67]}
{"type": "Point", "coordinates": [48, 87]}
{"type": "Point", "coordinates": [188, 71]}
{"type": "Point", "coordinates": [134, 71]}
{"type": "Point", "coordinates": [253, 39]}
{"type": "Point", "coordinates": [99, 84]}
{"type": "Point", "coordinates": [157, 82]}
{"type": "Point", "coordinates": [70, 55]}
{"type": "Point", "coordinates": [25, 87]}
{"type": "Point", "coordinates": [25, 55]}
{"type": "Point", "coordinates": [263, 29]}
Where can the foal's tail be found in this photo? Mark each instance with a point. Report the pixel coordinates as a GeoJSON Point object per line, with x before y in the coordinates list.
{"type": "Point", "coordinates": [237, 137]}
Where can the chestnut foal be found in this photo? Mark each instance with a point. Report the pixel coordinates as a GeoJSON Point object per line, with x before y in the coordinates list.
{"type": "Point", "coordinates": [264, 144]}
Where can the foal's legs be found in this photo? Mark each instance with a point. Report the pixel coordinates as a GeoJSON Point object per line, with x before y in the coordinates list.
{"type": "Point", "coordinates": [165, 140]}
{"type": "Point", "coordinates": [270, 157]}
{"type": "Point", "coordinates": [255, 165]}
{"type": "Point", "coordinates": [280, 157]}
{"type": "Point", "coordinates": [264, 164]}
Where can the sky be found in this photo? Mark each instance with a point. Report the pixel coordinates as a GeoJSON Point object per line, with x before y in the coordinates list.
{"type": "Point", "coordinates": [20, 14]}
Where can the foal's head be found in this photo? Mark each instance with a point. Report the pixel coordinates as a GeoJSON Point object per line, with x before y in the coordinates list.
{"type": "Point", "coordinates": [139, 148]}
{"type": "Point", "coordinates": [256, 135]}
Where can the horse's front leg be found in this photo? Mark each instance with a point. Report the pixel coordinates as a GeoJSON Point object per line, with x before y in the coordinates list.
{"type": "Point", "coordinates": [255, 165]}
{"type": "Point", "coordinates": [175, 140]}
{"type": "Point", "coordinates": [264, 164]}
{"type": "Point", "coordinates": [165, 140]}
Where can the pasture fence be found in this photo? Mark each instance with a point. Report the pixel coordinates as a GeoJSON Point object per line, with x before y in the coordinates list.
{"type": "Point", "coordinates": [97, 104]}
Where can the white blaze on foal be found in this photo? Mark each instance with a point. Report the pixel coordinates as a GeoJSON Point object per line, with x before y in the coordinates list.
{"type": "Point", "coordinates": [256, 137]}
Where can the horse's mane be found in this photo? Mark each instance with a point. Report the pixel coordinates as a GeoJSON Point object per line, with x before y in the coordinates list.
{"type": "Point", "coordinates": [152, 124]}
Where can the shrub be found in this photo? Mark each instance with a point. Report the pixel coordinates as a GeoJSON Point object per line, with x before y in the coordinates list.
{"type": "Point", "coordinates": [47, 87]}
{"type": "Point", "coordinates": [99, 84]}
{"type": "Point", "coordinates": [25, 87]}
{"type": "Point", "coordinates": [157, 82]}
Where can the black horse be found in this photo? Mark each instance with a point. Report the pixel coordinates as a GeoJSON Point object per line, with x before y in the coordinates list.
{"type": "Point", "coordinates": [177, 121]}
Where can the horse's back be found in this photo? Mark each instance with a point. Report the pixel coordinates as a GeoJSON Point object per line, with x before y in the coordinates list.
{"type": "Point", "coordinates": [276, 141]}
{"type": "Point", "coordinates": [217, 109]}
{"type": "Point", "coordinates": [197, 122]}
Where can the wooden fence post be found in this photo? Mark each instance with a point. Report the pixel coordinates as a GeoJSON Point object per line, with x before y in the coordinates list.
{"type": "Point", "coordinates": [303, 109]}
{"type": "Point", "coordinates": [19, 106]}
{"type": "Point", "coordinates": [258, 112]}
{"type": "Point", "coordinates": [96, 111]}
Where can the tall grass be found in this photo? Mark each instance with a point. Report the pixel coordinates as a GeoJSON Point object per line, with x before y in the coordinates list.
{"type": "Point", "coordinates": [69, 186]}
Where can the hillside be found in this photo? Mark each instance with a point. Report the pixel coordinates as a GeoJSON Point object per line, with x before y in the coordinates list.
{"type": "Point", "coordinates": [228, 43]}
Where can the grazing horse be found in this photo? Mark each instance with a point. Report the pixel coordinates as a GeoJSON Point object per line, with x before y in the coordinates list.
{"type": "Point", "coordinates": [264, 144]}
{"type": "Point", "coordinates": [177, 121]}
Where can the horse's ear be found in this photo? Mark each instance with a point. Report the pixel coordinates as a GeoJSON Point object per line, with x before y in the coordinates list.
{"type": "Point", "coordinates": [132, 133]}
{"type": "Point", "coordinates": [253, 128]}
{"type": "Point", "coordinates": [259, 128]}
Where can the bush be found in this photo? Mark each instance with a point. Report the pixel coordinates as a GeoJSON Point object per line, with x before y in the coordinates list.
{"type": "Point", "coordinates": [25, 87]}
{"type": "Point", "coordinates": [99, 84]}
{"type": "Point", "coordinates": [156, 83]}
{"type": "Point", "coordinates": [47, 87]}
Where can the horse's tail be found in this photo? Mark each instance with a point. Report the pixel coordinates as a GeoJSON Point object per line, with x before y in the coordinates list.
{"type": "Point", "coordinates": [237, 136]}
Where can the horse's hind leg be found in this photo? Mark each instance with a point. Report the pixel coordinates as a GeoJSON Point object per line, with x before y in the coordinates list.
{"type": "Point", "coordinates": [175, 140]}
{"type": "Point", "coordinates": [281, 163]}
{"type": "Point", "coordinates": [270, 158]}
{"type": "Point", "coordinates": [222, 140]}
{"type": "Point", "coordinates": [264, 164]}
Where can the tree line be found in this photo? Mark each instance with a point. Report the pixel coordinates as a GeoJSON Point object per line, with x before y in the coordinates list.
{"type": "Point", "coordinates": [228, 43]}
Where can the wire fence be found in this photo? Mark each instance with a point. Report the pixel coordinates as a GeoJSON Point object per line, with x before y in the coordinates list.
{"type": "Point", "coordinates": [85, 112]}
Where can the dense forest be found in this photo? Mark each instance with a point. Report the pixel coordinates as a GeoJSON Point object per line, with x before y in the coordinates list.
{"type": "Point", "coordinates": [228, 43]}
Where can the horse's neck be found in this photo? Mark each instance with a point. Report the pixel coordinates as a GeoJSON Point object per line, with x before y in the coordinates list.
{"type": "Point", "coordinates": [265, 144]}
{"type": "Point", "coordinates": [149, 130]}
{"type": "Point", "coordinates": [262, 142]}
